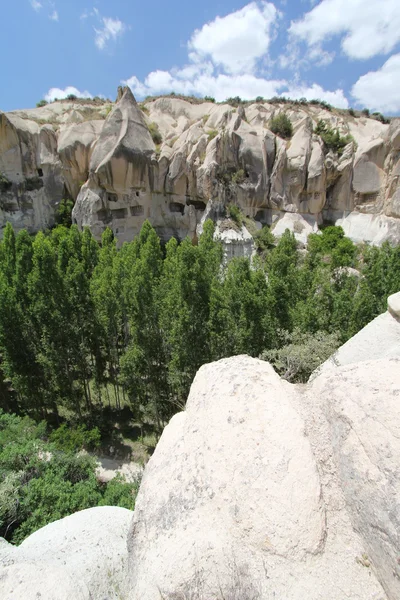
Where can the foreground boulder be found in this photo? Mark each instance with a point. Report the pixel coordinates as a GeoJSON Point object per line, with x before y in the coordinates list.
{"type": "Point", "coordinates": [263, 489]}
{"type": "Point", "coordinates": [81, 557]}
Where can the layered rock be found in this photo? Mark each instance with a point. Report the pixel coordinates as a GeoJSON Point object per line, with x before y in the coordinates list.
{"type": "Point", "coordinates": [107, 162]}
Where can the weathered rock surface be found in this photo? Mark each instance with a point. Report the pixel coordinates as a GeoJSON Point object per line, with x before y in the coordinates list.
{"type": "Point", "coordinates": [267, 490]}
{"type": "Point", "coordinates": [379, 339]}
{"type": "Point", "coordinates": [81, 557]}
{"type": "Point", "coordinates": [104, 158]}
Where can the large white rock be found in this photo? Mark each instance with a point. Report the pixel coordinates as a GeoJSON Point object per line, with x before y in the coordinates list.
{"type": "Point", "coordinates": [80, 557]}
{"type": "Point", "coordinates": [242, 498]}
{"type": "Point", "coordinates": [379, 339]}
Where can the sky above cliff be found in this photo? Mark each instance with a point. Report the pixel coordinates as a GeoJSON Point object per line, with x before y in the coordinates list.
{"type": "Point", "coordinates": [346, 52]}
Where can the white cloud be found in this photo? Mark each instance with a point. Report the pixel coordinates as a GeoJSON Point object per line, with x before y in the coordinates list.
{"type": "Point", "coordinates": [223, 57]}
{"type": "Point", "coordinates": [111, 29]}
{"type": "Point", "coordinates": [379, 89]}
{"type": "Point", "coordinates": [236, 41]}
{"type": "Point", "coordinates": [60, 94]}
{"type": "Point", "coordinates": [369, 27]}
{"type": "Point", "coordinates": [219, 86]}
{"type": "Point", "coordinates": [36, 5]}
{"type": "Point", "coordinates": [316, 92]}
{"type": "Point", "coordinates": [54, 16]}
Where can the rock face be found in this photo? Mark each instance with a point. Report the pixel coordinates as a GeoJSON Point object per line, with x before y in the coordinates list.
{"type": "Point", "coordinates": [104, 158]}
{"type": "Point", "coordinates": [266, 490]}
{"type": "Point", "coordinates": [81, 557]}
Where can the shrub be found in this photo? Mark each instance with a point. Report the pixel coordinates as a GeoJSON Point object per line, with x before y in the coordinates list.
{"type": "Point", "coordinates": [239, 176]}
{"type": "Point", "coordinates": [234, 101]}
{"type": "Point", "coordinates": [301, 354]}
{"type": "Point", "coordinates": [41, 103]}
{"type": "Point", "coordinates": [259, 99]}
{"type": "Point", "coordinates": [264, 239]}
{"type": "Point", "coordinates": [155, 133]}
{"type": "Point", "coordinates": [72, 97]}
{"type": "Point", "coordinates": [64, 213]}
{"type": "Point", "coordinates": [235, 214]}
{"type": "Point", "coordinates": [331, 137]}
{"type": "Point", "coordinates": [212, 134]}
{"type": "Point", "coordinates": [351, 112]}
{"type": "Point", "coordinates": [365, 112]}
{"type": "Point", "coordinates": [69, 439]}
{"type": "Point", "coordinates": [5, 183]}
{"type": "Point", "coordinates": [209, 99]}
{"type": "Point", "coordinates": [281, 125]}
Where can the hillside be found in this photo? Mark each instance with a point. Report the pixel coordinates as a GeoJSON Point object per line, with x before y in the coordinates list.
{"type": "Point", "coordinates": [175, 161]}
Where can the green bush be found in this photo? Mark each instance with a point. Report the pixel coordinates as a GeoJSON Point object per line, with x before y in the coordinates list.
{"type": "Point", "coordinates": [155, 133]}
{"type": "Point", "coordinates": [281, 125]}
{"type": "Point", "coordinates": [264, 239]}
{"type": "Point", "coordinates": [238, 176]}
{"type": "Point", "coordinates": [365, 112]}
{"type": "Point", "coordinates": [5, 183]}
{"type": "Point", "coordinates": [331, 137]}
{"type": "Point", "coordinates": [209, 99]}
{"type": "Point", "coordinates": [41, 103]}
{"type": "Point", "coordinates": [72, 97]}
{"type": "Point", "coordinates": [235, 214]}
{"type": "Point", "coordinates": [301, 354]}
{"type": "Point", "coordinates": [212, 134]}
{"type": "Point", "coordinates": [70, 439]}
{"type": "Point", "coordinates": [64, 213]}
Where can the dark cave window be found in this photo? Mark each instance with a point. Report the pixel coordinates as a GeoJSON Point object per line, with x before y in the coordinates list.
{"type": "Point", "coordinates": [40, 172]}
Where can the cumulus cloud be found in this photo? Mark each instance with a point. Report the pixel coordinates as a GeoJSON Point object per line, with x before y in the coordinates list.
{"type": "Point", "coordinates": [379, 89]}
{"type": "Point", "coordinates": [36, 5]}
{"type": "Point", "coordinates": [60, 94]}
{"type": "Point", "coordinates": [220, 86]}
{"type": "Point", "coordinates": [223, 61]}
{"type": "Point", "coordinates": [368, 28]}
{"type": "Point", "coordinates": [316, 92]}
{"type": "Point", "coordinates": [237, 41]}
{"type": "Point", "coordinates": [54, 16]}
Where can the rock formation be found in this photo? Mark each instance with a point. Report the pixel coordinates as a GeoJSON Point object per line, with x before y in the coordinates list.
{"type": "Point", "coordinates": [81, 557]}
{"type": "Point", "coordinates": [104, 158]}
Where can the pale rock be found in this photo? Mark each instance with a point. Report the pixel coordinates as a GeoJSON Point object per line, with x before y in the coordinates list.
{"type": "Point", "coordinates": [82, 556]}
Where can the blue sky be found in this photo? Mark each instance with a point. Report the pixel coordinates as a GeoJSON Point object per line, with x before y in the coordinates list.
{"type": "Point", "coordinates": [346, 52]}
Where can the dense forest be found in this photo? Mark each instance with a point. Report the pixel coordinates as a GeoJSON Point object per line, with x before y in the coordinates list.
{"type": "Point", "coordinates": [88, 330]}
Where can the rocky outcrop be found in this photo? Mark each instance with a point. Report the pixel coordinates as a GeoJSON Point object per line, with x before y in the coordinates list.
{"type": "Point", "coordinates": [103, 157]}
{"type": "Point", "coordinates": [262, 489]}
{"type": "Point", "coordinates": [81, 557]}
{"type": "Point", "coordinates": [379, 339]}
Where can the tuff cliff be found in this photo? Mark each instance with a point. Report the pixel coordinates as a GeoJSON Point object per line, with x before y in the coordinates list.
{"type": "Point", "coordinates": [103, 156]}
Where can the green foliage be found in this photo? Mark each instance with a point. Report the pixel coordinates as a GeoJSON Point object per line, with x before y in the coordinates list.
{"type": "Point", "coordinates": [209, 99]}
{"type": "Point", "coordinates": [235, 214]}
{"type": "Point", "coordinates": [72, 97]}
{"type": "Point", "coordinates": [41, 103]}
{"type": "Point", "coordinates": [212, 134]}
{"type": "Point", "coordinates": [43, 478]}
{"type": "Point", "coordinates": [281, 125]}
{"type": "Point", "coordinates": [365, 112]}
{"type": "Point", "coordinates": [331, 137]}
{"type": "Point", "coordinates": [238, 176]}
{"type": "Point", "coordinates": [64, 213]}
{"type": "Point", "coordinates": [234, 101]}
{"type": "Point", "coordinates": [301, 353]}
{"type": "Point", "coordinates": [264, 239]}
{"type": "Point", "coordinates": [69, 439]}
{"type": "Point", "coordinates": [5, 183]}
{"type": "Point", "coordinates": [155, 133]}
